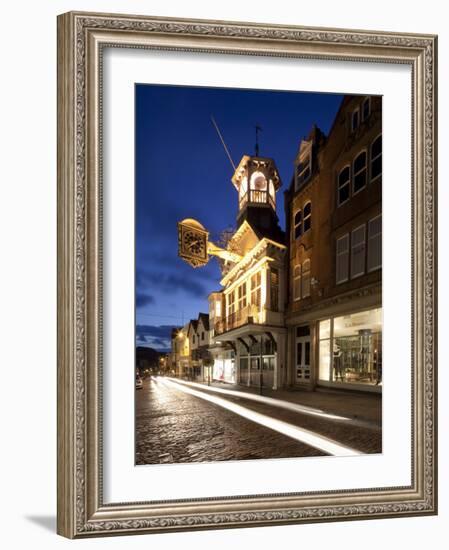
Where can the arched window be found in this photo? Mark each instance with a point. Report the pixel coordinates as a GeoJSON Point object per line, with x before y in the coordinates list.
{"type": "Point", "coordinates": [307, 222]}
{"type": "Point", "coordinates": [376, 158]}
{"type": "Point", "coordinates": [298, 224]}
{"type": "Point", "coordinates": [258, 184]}
{"type": "Point", "coordinates": [359, 172]}
{"type": "Point", "coordinates": [343, 185]}
{"type": "Point", "coordinates": [258, 181]}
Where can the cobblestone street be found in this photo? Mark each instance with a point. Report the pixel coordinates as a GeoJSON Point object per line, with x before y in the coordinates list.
{"type": "Point", "coordinates": [174, 426]}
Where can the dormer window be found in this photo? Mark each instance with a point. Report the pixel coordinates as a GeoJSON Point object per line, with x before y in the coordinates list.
{"type": "Point", "coordinates": [303, 170]}
{"type": "Point", "coordinates": [366, 108]}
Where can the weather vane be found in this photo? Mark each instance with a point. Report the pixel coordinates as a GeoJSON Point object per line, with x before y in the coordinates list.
{"type": "Point", "coordinates": [258, 129]}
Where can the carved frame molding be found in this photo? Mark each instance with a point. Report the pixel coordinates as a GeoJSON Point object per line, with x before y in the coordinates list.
{"type": "Point", "coordinates": [81, 39]}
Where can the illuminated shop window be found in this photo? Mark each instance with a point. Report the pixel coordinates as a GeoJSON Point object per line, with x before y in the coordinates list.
{"type": "Point", "coordinates": [350, 348]}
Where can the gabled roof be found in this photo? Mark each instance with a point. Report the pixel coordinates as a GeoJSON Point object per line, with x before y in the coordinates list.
{"type": "Point", "coordinates": [193, 325]}
{"type": "Point", "coordinates": [204, 318]}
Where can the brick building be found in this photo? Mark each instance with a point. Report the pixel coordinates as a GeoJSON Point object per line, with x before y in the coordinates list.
{"type": "Point", "coordinates": [334, 228]}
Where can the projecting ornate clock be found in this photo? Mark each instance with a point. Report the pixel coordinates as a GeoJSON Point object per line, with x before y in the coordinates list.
{"type": "Point", "coordinates": [192, 242]}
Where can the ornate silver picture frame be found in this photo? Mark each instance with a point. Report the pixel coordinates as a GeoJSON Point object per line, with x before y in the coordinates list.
{"type": "Point", "coordinates": [82, 40]}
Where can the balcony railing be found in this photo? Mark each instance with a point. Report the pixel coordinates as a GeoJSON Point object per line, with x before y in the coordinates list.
{"type": "Point", "coordinates": [246, 315]}
{"type": "Point", "coordinates": [256, 196]}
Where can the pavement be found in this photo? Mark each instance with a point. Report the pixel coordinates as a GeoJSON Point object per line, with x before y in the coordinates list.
{"type": "Point", "coordinates": [179, 421]}
{"type": "Point", "coordinates": [366, 407]}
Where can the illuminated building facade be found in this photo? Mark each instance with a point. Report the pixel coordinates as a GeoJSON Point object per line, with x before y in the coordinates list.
{"type": "Point", "coordinates": [334, 227]}
{"type": "Point", "coordinates": [189, 357]}
{"type": "Point", "coordinates": [248, 314]}
{"type": "Point", "coordinates": [303, 308]}
{"type": "Point", "coordinates": [180, 351]}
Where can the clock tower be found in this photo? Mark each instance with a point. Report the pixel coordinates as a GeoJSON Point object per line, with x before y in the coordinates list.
{"type": "Point", "coordinates": [257, 181]}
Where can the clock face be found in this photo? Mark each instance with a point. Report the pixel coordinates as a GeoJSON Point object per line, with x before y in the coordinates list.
{"type": "Point", "coordinates": [194, 243]}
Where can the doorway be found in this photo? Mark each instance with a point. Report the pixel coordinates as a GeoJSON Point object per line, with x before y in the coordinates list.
{"type": "Point", "coordinates": [302, 354]}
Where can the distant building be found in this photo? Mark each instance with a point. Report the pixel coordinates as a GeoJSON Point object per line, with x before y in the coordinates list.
{"type": "Point", "coordinates": [199, 339]}
{"type": "Point", "coordinates": [180, 351]}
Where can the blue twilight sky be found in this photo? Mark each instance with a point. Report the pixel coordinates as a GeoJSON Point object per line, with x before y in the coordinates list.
{"type": "Point", "coordinates": [182, 172]}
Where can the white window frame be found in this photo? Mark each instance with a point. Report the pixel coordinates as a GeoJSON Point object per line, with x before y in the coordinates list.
{"type": "Point", "coordinates": [354, 192]}
{"type": "Point", "coordinates": [371, 179]}
{"type": "Point", "coordinates": [305, 278]}
{"type": "Point", "coordinates": [297, 274]}
{"type": "Point", "coordinates": [369, 240]}
{"type": "Point", "coordinates": [230, 309]}
{"type": "Point", "coordinates": [337, 254]}
{"type": "Point", "coordinates": [241, 299]}
{"type": "Point", "coordinates": [360, 273]}
{"type": "Point", "coordinates": [295, 225]}
{"type": "Point", "coordinates": [304, 217]}
{"type": "Point", "coordinates": [348, 184]}
{"type": "Point", "coordinates": [254, 291]}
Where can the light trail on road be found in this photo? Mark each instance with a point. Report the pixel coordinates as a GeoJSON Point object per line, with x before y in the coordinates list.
{"type": "Point", "coordinates": [299, 434]}
{"type": "Point", "coordinates": [266, 400]}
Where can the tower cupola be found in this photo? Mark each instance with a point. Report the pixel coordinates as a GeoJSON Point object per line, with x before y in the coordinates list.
{"type": "Point", "coordinates": [257, 180]}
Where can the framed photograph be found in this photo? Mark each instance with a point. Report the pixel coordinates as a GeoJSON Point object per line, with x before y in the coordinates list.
{"type": "Point", "coordinates": [246, 274]}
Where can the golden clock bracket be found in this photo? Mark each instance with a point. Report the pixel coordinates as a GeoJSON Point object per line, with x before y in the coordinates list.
{"type": "Point", "coordinates": [194, 246]}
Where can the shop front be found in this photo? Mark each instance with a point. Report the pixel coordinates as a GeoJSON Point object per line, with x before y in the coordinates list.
{"type": "Point", "coordinates": [350, 350]}
{"type": "Point", "coordinates": [257, 363]}
{"type": "Point", "coordinates": [223, 369]}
